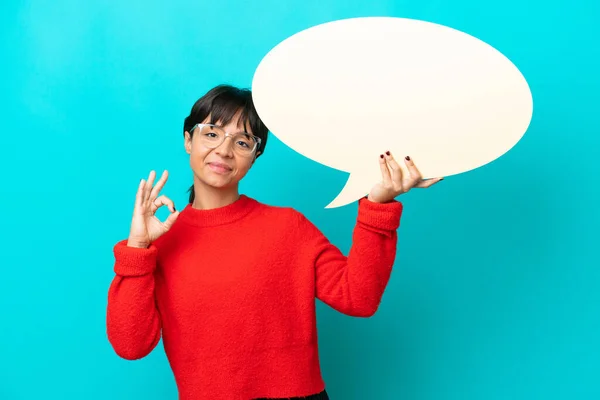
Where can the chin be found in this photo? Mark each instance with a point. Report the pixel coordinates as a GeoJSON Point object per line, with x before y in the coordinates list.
{"type": "Point", "coordinates": [216, 181]}
{"type": "Point", "coordinates": [219, 183]}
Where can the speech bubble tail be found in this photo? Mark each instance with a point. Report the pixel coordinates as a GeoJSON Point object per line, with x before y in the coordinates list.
{"type": "Point", "coordinates": [353, 190]}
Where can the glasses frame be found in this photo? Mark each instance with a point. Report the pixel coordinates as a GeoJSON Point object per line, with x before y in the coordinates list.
{"type": "Point", "coordinates": [256, 139]}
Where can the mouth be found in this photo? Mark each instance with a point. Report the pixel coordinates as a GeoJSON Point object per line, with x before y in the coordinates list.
{"type": "Point", "coordinates": [219, 168]}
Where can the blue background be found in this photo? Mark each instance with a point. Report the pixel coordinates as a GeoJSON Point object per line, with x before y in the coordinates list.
{"type": "Point", "coordinates": [496, 289]}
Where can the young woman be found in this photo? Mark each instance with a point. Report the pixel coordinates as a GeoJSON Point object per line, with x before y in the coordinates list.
{"type": "Point", "coordinates": [230, 283]}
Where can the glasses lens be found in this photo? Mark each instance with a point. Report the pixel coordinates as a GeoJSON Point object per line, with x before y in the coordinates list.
{"type": "Point", "coordinates": [213, 136]}
{"type": "Point", "coordinates": [243, 143]}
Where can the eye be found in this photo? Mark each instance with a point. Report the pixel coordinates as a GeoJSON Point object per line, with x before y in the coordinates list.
{"type": "Point", "coordinates": [212, 135]}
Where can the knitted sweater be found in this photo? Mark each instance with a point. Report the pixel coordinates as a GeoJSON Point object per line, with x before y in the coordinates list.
{"type": "Point", "coordinates": [232, 291]}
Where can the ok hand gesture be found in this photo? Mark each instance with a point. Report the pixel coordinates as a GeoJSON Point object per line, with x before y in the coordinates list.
{"type": "Point", "coordinates": [145, 226]}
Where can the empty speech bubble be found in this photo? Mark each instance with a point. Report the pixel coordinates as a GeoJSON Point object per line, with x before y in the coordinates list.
{"type": "Point", "coordinates": [343, 92]}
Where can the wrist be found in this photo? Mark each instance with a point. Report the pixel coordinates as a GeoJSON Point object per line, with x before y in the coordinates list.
{"type": "Point", "coordinates": [137, 244]}
{"type": "Point", "coordinates": [380, 201]}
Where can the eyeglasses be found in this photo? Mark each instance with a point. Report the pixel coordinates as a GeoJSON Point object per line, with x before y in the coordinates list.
{"type": "Point", "coordinates": [212, 136]}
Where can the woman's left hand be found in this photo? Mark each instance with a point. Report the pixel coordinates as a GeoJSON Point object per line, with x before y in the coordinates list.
{"type": "Point", "coordinates": [393, 182]}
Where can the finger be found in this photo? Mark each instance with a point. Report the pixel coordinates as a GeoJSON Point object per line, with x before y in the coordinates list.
{"type": "Point", "coordinates": [415, 175]}
{"type": "Point", "coordinates": [428, 182]}
{"type": "Point", "coordinates": [148, 187]}
{"type": "Point", "coordinates": [139, 196]}
{"type": "Point", "coordinates": [385, 171]}
{"type": "Point", "coordinates": [159, 185]}
{"type": "Point", "coordinates": [396, 170]}
{"type": "Point", "coordinates": [162, 201]}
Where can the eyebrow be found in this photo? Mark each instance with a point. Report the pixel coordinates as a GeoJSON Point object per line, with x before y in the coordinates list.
{"type": "Point", "coordinates": [242, 131]}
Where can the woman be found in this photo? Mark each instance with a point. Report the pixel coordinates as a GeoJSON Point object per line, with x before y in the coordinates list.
{"type": "Point", "coordinates": [230, 283]}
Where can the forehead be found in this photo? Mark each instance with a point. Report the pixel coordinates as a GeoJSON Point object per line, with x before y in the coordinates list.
{"type": "Point", "coordinates": [235, 124]}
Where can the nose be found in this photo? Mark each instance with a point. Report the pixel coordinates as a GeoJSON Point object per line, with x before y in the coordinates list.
{"type": "Point", "coordinates": [225, 149]}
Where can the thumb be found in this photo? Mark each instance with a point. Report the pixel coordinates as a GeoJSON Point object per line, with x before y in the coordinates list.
{"type": "Point", "coordinates": [171, 219]}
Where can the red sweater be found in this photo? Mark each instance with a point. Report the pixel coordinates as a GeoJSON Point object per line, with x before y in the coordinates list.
{"type": "Point", "coordinates": [232, 292]}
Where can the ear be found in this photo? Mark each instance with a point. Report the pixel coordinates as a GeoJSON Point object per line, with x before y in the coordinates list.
{"type": "Point", "coordinates": [187, 143]}
{"type": "Point", "coordinates": [255, 156]}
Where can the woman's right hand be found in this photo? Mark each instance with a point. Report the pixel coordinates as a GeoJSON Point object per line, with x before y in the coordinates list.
{"type": "Point", "coordinates": [145, 226]}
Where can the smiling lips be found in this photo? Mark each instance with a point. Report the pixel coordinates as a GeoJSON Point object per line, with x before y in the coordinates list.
{"type": "Point", "coordinates": [219, 168]}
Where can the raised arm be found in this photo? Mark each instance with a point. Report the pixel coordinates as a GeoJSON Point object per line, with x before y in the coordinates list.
{"type": "Point", "coordinates": [354, 284]}
{"type": "Point", "coordinates": [133, 322]}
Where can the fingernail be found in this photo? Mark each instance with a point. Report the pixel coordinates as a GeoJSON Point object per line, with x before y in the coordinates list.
{"type": "Point", "coordinates": [408, 158]}
{"type": "Point", "coordinates": [387, 152]}
{"type": "Point", "coordinates": [381, 155]}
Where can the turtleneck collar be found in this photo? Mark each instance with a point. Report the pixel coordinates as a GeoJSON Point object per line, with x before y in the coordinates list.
{"type": "Point", "coordinates": [218, 216]}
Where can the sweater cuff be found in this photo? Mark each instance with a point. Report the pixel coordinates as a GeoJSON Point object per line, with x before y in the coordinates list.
{"type": "Point", "coordinates": [384, 216]}
{"type": "Point", "coordinates": [133, 261]}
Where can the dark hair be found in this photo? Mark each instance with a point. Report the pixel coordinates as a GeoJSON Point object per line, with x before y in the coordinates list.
{"type": "Point", "coordinates": [222, 103]}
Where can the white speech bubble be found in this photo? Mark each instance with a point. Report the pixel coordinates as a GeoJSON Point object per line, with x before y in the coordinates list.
{"type": "Point", "coordinates": [343, 92]}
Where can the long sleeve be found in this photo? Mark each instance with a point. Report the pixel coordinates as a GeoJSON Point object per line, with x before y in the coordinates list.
{"type": "Point", "coordinates": [133, 321]}
{"type": "Point", "coordinates": [354, 284]}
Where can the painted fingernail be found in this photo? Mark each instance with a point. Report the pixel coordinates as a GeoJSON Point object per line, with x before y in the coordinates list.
{"type": "Point", "coordinates": [387, 152]}
{"type": "Point", "coordinates": [408, 158]}
{"type": "Point", "coordinates": [381, 155]}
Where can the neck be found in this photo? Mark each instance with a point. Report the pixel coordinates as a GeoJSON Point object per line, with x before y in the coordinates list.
{"type": "Point", "coordinates": [208, 197]}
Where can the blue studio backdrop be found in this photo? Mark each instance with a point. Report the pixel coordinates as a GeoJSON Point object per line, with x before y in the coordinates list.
{"type": "Point", "coordinates": [496, 289]}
